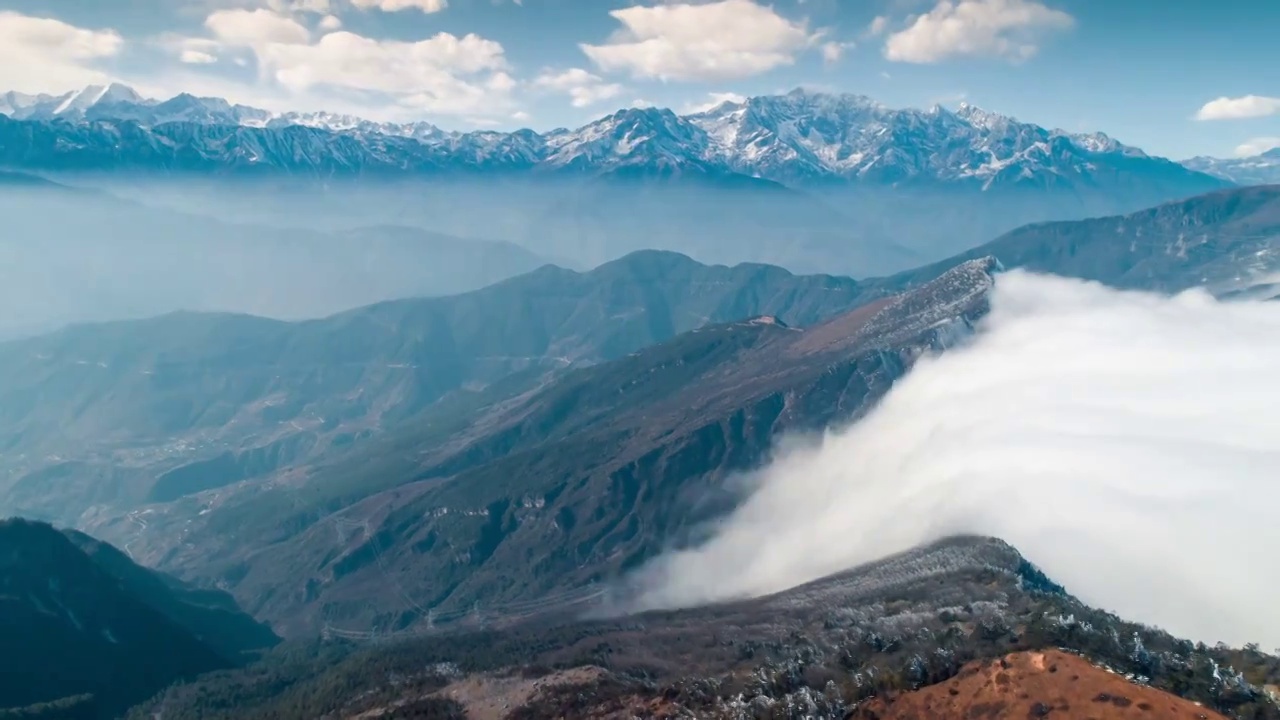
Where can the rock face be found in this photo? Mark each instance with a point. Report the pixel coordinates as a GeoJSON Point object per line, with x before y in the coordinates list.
{"type": "Point", "coordinates": [78, 620]}
{"type": "Point", "coordinates": [1039, 684]}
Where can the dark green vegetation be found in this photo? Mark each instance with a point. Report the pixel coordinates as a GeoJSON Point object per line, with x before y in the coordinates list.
{"type": "Point", "coordinates": [815, 651]}
{"type": "Point", "coordinates": [86, 633]}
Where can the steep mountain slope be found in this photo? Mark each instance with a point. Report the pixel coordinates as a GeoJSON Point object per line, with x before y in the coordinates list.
{"type": "Point", "coordinates": [826, 650]}
{"type": "Point", "coordinates": [79, 619]}
{"type": "Point", "coordinates": [120, 413]}
{"type": "Point", "coordinates": [580, 480]}
{"type": "Point", "coordinates": [1262, 169]}
{"type": "Point", "coordinates": [812, 181]}
{"type": "Point", "coordinates": [1227, 242]}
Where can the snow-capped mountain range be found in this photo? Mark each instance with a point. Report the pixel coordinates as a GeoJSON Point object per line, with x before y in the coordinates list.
{"type": "Point", "coordinates": [795, 139]}
{"type": "Point", "coordinates": [1261, 169]}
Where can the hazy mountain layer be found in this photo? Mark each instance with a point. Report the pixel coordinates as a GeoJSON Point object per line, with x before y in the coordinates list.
{"type": "Point", "coordinates": [123, 413]}
{"type": "Point", "coordinates": [809, 181]}
{"type": "Point", "coordinates": [582, 479]}
{"type": "Point", "coordinates": [71, 255]}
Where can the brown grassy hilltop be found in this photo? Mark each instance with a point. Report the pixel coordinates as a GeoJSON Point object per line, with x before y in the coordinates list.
{"type": "Point", "coordinates": [1050, 684]}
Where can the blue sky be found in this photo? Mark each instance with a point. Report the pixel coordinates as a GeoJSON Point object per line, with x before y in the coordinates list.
{"type": "Point", "coordinates": [1175, 77]}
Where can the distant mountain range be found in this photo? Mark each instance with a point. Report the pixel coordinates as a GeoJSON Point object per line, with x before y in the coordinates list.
{"type": "Point", "coordinates": [1263, 169]}
{"type": "Point", "coordinates": [70, 255]}
{"type": "Point", "coordinates": [809, 181]}
{"type": "Point", "coordinates": [82, 624]}
{"type": "Point", "coordinates": [798, 138]}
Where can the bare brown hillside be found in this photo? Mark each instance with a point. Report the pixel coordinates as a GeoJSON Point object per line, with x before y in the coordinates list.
{"type": "Point", "coordinates": [1049, 684]}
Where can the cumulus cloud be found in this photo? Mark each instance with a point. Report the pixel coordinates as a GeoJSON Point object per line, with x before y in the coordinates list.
{"type": "Point", "coordinates": [196, 57]}
{"type": "Point", "coordinates": [46, 55]}
{"type": "Point", "coordinates": [993, 28]}
{"type": "Point", "coordinates": [582, 87]}
{"type": "Point", "coordinates": [1125, 442]}
{"type": "Point", "coordinates": [442, 74]}
{"type": "Point", "coordinates": [832, 52]}
{"type": "Point", "coordinates": [255, 28]}
{"type": "Point", "coordinates": [1257, 146]}
{"type": "Point", "coordinates": [426, 6]}
{"type": "Point", "coordinates": [724, 40]}
{"type": "Point", "coordinates": [1248, 106]}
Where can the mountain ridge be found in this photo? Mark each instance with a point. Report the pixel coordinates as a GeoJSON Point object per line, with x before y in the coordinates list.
{"type": "Point", "coordinates": [1260, 169]}
{"type": "Point", "coordinates": [364, 367]}
{"type": "Point", "coordinates": [796, 138]}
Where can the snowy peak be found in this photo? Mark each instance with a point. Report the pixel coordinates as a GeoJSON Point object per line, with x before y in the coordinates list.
{"type": "Point", "coordinates": [72, 106]}
{"type": "Point", "coordinates": [979, 118]}
{"type": "Point", "coordinates": [649, 138]}
{"type": "Point", "coordinates": [79, 102]}
{"type": "Point", "coordinates": [1261, 169]}
{"type": "Point", "coordinates": [796, 138]}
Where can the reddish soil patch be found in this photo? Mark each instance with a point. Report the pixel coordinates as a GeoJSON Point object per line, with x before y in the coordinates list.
{"type": "Point", "coordinates": [1032, 685]}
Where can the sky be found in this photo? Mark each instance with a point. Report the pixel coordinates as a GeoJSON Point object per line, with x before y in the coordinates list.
{"type": "Point", "coordinates": [1177, 78]}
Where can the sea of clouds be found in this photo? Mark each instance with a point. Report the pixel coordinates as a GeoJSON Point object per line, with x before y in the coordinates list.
{"type": "Point", "coordinates": [1127, 443]}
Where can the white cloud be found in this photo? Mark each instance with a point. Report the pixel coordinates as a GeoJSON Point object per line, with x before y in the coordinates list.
{"type": "Point", "coordinates": [878, 25]}
{"type": "Point", "coordinates": [196, 57]}
{"type": "Point", "coordinates": [724, 40]}
{"type": "Point", "coordinates": [284, 7]}
{"type": "Point", "coordinates": [1257, 146]}
{"type": "Point", "coordinates": [994, 28]}
{"type": "Point", "coordinates": [832, 52]}
{"type": "Point", "coordinates": [582, 87]}
{"type": "Point", "coordinates": [442, 74]}
{"type": "Point", "coordinates": [1248, 106]}
{"type": "Point", "coordinates": [426, 6]}
{"type": "Point", "coordinates": [713, 101]}
{"type": "Point", "coordinates": [255, 28]}
{"type": "Point", "coordinates": [1124, 442]}
{"type": "Point", "coordinates": [46, 55]}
